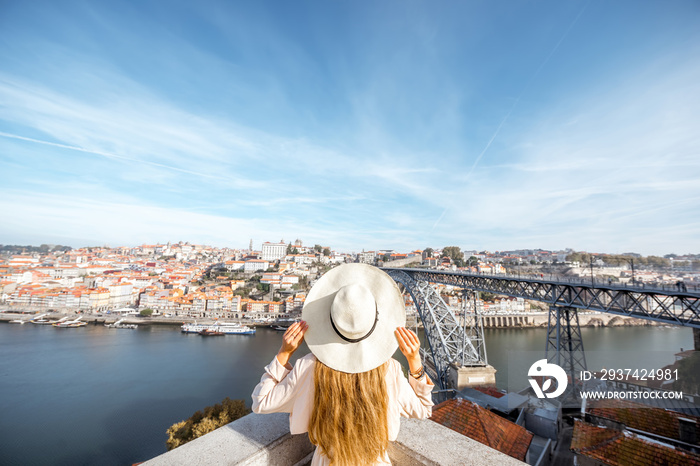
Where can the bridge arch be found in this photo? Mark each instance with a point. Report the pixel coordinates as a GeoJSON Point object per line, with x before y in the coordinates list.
{"type": "Point", "coordinates": [447, 338]}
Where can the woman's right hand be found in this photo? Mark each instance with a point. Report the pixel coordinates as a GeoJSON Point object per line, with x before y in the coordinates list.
{"type": "Point", "coordinates": [291, 341]}
{"type": "Point", "coordinates": [410, 347]}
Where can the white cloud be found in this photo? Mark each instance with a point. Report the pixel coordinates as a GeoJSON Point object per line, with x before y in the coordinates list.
{"type": "Point", "coordinates": [603, 166]}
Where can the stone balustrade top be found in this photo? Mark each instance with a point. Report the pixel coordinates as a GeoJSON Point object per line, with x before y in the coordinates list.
{"type": "Point", "coordinates": [264, 439]}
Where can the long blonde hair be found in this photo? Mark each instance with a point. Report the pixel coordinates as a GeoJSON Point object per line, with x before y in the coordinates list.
{"type": "Point", "coordinates": [349, 419]}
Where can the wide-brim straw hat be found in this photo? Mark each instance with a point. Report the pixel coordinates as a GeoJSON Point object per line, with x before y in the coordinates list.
{"type": "Point", "coordinates": [352, 312]}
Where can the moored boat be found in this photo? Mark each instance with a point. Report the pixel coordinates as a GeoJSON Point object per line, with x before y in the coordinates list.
{"type": "Point", "coordinates": [119, 324]}
{"type": "Point", "coordinates": [42, 321]}
{"type": "Point", "coordinates": [227, 328]}
{"type": "Point", "coordinates": [70, 323]}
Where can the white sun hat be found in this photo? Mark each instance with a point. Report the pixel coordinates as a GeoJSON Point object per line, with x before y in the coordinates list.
{"type": "Point", "coordinates": [352, 312]}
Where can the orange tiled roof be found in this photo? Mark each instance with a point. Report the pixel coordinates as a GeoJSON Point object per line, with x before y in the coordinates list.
{"type": "Point", "coordinates": [482, 425]}
{"type": "Point", "coordinates": [641, 417]}
{"type": "Point", "coordinates": [614, 448]}
{"type": "Point", "coordinates": [491, 391]}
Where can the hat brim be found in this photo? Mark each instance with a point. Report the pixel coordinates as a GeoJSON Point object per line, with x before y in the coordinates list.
{"type": "Point", "coordinates": [327, 345]}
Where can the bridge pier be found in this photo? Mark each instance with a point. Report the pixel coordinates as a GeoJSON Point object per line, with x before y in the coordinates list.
{"type": "Point", "coordinates": [471, 376]}
{"type": "Point", "coordinates": [565, 345]}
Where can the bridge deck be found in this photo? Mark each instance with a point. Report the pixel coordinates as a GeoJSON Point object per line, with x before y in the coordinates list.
{"type": "Point", "coordinates": [662, 303]}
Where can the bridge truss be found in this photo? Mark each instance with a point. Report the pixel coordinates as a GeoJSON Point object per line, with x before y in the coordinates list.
{"type": "Point", "coordinates": [453, 344]}
{"type": "Point", "coordinates": [670, 307]}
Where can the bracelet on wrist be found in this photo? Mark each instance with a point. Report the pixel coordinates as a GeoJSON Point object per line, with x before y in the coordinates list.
{"type": "Point", "coordinates": [418, 374]}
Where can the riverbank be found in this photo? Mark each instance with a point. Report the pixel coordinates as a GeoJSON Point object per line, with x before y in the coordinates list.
{"type": "Point", "coordinates": [110, 319]}
{"type": "Point", "coordinates": [515, 320]}
{"type": "Point", "coordinates": [541, 319]}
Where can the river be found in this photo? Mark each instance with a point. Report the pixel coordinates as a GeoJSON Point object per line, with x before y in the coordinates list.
{"type": "Point", "coordinates": [95, 395]}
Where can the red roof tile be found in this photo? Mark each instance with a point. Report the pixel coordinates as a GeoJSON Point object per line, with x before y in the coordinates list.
{"type": "Point", "coordinates": [492, 391]}
{"type": "Point", "coordinates": [639, 416]}
{"type": "Point", "coordinates": [482, 425]}
{"type": "Point", "coordinates": [617, 448]}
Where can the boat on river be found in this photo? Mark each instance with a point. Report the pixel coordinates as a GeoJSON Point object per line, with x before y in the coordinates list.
{"type": "Point", "coordinates": [227, 328]}
{"type": "Point", "coordinates": [119, 324]}
{"type": "Point", "coordinates": [70, 323]}
{"type": "Point", "coordinates": [43, 321]}
{"type": "Point", "coordinates": [24, 321]}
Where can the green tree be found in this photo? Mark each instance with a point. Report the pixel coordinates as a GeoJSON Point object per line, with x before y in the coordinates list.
{"type": "Point", "coordinates": [146, 312]}
{"type": "Point", "coordinates": [326, 252]}
{"type": "Point", "coordinates": [659, 262]}
{"type": "Point", "coordinates": [203, 422]}
{"type": "Point", "coordinates": [582, 258]}
{"type": "Point", "coordinates": [303, 283]}
{"type": "Point", "coordinates": [428, 252]}
{"type": "Point", "coordinates": [616, 260]}
{"type": "Point", "coordinates": [318, 248]}
{"type": "Point", "coordinates": [486, 296]}
{"type": "Point", "coordinates": [455, 254]}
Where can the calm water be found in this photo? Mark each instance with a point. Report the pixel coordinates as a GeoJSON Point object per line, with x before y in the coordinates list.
{"type": "Point", "coordinates": [94, 395]}
{"type": "Point", "coordinates": [512, 351]}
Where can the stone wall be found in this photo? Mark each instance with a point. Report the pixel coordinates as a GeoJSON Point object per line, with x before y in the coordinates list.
{"type": "Point", "coordinates": [264, 439]}
{"type": "Point", "coordinates": [540, 319]}
{"type": "Point", "coordinates": [397, 264]}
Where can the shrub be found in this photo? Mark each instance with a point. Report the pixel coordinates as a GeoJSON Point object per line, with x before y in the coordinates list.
{"type": "Point", "coordinates": [203, 422]}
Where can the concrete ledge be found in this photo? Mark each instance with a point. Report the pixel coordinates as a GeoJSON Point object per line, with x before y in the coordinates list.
{"type": "Point", "coordinates": [264, 439]}
{"type": "Point", "coordinates": [430, 443]}
{"type": "Point", "coordinates": [255, 439]}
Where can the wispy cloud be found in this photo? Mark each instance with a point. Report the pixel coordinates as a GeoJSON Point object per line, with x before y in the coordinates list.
{"type": "Point", "coordinates": [105, 154]}
{"type": "Point", "coordinates": [230, 122]}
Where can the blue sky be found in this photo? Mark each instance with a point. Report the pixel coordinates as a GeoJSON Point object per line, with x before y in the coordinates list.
{"type": "Point", "coordinates": [375, 125]}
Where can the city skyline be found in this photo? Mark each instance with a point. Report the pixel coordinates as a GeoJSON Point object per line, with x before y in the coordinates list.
{"type": "Point", "coordinates": [258, 246]}
{"type": "Point", "coordinates": [389, 126]}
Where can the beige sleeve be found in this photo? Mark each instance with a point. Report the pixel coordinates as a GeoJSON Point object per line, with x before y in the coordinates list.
{"type": "Point", "coordinates": [276, 390]}
{"type": "Point", "coordinates": [414, 396]}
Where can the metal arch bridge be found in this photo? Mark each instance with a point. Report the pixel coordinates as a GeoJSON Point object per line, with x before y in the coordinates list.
{"type": "Point", "coordinates": [454, 343]}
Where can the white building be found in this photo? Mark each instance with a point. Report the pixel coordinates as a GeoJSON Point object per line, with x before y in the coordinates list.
{"type": "Point", "coordinates": [367, 257]}
{"type": "Point", "coordinates": [273, 251]}
{"type": "Point", "coordinates": [253, 265]}
{"type": "Point", "coordinates": [120, 294]}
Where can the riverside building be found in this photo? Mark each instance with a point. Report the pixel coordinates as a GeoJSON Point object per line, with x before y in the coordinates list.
{"type": "Point", "coordinates": [273, 251]}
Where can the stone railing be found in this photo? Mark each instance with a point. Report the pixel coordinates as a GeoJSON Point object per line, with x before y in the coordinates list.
{"type": "Point", "coordinates": [264, 439]}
